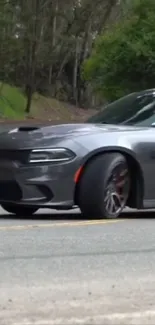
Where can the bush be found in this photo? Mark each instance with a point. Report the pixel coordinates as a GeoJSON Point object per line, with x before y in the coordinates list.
{"type": "Point", "coordinates": [123, 59]}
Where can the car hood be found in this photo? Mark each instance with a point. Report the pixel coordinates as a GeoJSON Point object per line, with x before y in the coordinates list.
{"type": "Point", "coordinates": [44, 135]}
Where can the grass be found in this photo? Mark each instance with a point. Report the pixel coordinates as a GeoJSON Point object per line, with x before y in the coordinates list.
{"type": "Point", "coordinates": [13, 103]}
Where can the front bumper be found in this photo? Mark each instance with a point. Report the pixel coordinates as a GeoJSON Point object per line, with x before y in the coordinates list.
{"type": "Point", "coordinates": [38, 185]}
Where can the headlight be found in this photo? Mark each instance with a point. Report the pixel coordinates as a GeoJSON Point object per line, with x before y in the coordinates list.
{"type": "Point", "coordinates": [50, 155]}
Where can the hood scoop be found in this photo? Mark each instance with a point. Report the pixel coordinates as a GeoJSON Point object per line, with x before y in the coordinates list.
{"type": "Point", "coordinates": [27, 128]}
{"type": "Point", "coordinates": [24, 129]}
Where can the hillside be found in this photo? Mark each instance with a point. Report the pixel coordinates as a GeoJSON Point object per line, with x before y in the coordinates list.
{"type": "Point", "coordinates": [13, 101]}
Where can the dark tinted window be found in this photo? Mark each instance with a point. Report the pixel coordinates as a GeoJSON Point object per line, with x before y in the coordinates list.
{"type": "Point", "coordinates": [131, 109]}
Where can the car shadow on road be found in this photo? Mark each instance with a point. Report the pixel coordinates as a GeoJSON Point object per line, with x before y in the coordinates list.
{"type": "Point", "coordinates": [147, 214]}
{"type": "Point", "coordinates": [77, 216]}
{"type": "Point", "coordinates": [58, 216]}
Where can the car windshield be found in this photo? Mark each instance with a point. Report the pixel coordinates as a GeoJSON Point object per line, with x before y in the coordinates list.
{"type": "Point", "coordinates": [132, 109]}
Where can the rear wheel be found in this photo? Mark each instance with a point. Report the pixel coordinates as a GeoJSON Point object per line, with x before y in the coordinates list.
{"type": "Point", "coordinates": [104, 186]}
{"type": "Point", "coordinates": [21, 211]}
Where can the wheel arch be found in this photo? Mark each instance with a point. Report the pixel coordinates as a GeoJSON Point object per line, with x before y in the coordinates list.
{"type": "Point", "coordinates": [137, 179]}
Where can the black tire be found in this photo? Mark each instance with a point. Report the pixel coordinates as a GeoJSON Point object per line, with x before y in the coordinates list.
{"type": "Point", "coordinates": [18, 210]}
{"type": "Point", "coordinates": [92, 188]}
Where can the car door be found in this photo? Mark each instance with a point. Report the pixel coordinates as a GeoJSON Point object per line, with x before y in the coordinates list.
{"type": "Point", "coordinates": [146, 155]}
{"type": "Point", "coordinates": [146, 118]}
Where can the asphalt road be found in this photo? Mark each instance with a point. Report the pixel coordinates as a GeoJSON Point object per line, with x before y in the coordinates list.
{"type": "Point", "coordinates": [59, 269]}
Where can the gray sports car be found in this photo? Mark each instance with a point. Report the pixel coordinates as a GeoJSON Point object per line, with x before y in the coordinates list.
{"type": "Point", "coordinates": [100, 167]}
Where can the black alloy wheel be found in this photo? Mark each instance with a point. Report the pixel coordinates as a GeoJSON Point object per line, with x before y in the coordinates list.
{"type": "Point", "coordinates": [117, 190]}
{"type": "Point", "coordinates": [104, 187]}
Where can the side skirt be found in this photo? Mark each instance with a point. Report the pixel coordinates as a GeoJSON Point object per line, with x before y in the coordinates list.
{"type": "Point", "coordinates": [149, 204]}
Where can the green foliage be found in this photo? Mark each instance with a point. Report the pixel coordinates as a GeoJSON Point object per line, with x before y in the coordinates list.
{"type": "Point", "coordinates": [123, 59]}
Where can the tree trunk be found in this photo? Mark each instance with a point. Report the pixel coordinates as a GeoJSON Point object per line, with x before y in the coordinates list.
{"type": "Point", "coordinates": [54, 27]}
{"type": "Point", "coordinates": [32, 53]}
{"type": "Point", "coordinates": [29, 94]}
{"type": "Point", "coordinates": [75, 71]}
{"type": "Point", "coordinates": [30, 77]}
{"type": "Point", "coordinates": [83, 55]}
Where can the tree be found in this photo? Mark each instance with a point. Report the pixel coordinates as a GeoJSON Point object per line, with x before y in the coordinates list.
{"type": "Point", "coordinates": [57, 37]}
{"type": "Point", "coordinates": [123, 59]}
{"type": "Point", "coordinates": [45, 42]}
{"type": "Point", "coordinates": [9, 46]}
{"type": "Point", "coordinates": [34, 19]}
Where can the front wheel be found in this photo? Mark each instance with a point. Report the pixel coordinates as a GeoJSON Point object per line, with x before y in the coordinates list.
{"type": "Point", "coordinates": [19, 210]}
{"type": "Point", "coordinates": [104, 186]}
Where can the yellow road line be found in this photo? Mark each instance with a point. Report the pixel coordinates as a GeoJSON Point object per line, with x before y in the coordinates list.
{"type": "Point", "coordinates": [60, 224]}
